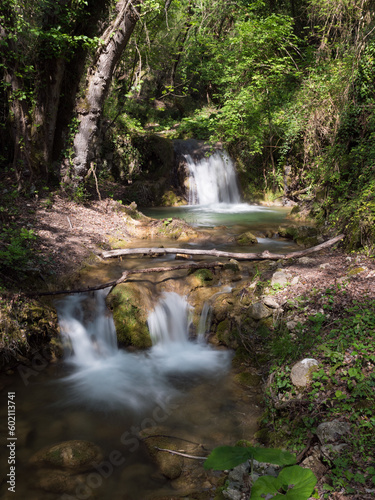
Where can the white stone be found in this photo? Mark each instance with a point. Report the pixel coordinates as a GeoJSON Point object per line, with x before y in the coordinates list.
{"type": "Point", "coordinates": [301, 373]}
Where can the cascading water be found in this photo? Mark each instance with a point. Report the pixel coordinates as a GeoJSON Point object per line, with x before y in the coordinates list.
{"type": "Point", "coordinates": [105, 376]}
{"type": "Point", "coordinates": [212, 180]}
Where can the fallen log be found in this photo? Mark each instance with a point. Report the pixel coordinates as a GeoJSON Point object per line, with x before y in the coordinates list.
{"type": "Point", "coordinates": [266, 255]}
{"type": "Point", "coordinates": [126, 274]}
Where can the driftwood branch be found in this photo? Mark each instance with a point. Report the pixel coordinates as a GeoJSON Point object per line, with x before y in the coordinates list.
{"type": "Point", "coordinates": [126, 274]}
{"type": "Point", "coordinates": [266, 255]}
{"type": "Point", "coordinates": [180, 454]}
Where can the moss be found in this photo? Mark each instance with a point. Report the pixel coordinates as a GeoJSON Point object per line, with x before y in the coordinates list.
{"type": "Point", "coordinates": [205, 276]}
{"type": "Point", "coordinates": [129, 316]}
{"type": "Point", "coordinates": [355, 271]}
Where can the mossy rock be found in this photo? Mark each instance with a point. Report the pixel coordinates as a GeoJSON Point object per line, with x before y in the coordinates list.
{"type": "Point", "coordinates": [246, 239]}
{"type": "Point", "coordinates": [171, 199]}
{"type": "Point", "coordinates": [130, 314]}
{"type": "Point", "coordinates": [28, 324]}
{"type": "Point", "coordinates": [227, 334]}
{"type": "Point", "coordinates": [248, 379]}
{"type": "Point", "coordinates": [356, 270]}
{"type": "Point", "coordinates": [288, 232]}
{"type": "Point", "coordinates": [201, 277]}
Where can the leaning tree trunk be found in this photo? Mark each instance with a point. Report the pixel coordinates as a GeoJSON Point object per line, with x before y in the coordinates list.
{"type": "Point", "coordinates": [90, 106]}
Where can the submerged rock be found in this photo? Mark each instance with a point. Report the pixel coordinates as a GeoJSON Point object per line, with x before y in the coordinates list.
{"type": "Point", "coordinates": [75, 455]}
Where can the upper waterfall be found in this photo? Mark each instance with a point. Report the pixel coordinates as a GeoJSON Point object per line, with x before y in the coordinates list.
{"type": "Point", "coordinates": [212, 180]}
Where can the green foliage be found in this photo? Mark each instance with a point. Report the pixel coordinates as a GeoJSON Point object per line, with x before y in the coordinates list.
{"type": "Point", "coordinates": [228, 457]}
{"type": "Point", "coordinates": [293, 483]}
{"type": "Point", "coordinates": [15, 250]}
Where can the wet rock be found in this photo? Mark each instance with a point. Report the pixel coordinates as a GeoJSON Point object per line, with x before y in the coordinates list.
{"type": "Point", "coordinates": [301, 373]}
{"type": "Point", "coordinates": [58, 481]}
{"type": "Point", "coordinates": [232, 265]}
{"type": "Point", "coordinates": [259, 311]}
{"type": "Point", "coordinates": [130, 311]}
{"type": "Point", "coordinates": [329, 432]}
{"type": "Point", "coordinates": [74, 455]}
{"type": "Point", "coordinates": [245, 239]}
{"type": "Point", "coordinates": [169, 465]}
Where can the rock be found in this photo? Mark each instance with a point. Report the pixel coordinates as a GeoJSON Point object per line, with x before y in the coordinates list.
{"type": "Point", "coordinates": [74, 455]}
{"type": "Point", "coordinates": [280, 277]}
{"type": "Point", "coordinates": [325, 265]}
{"type": "Point", "coordinates": [169, 465]}
{"type": "Point", "coordinates": [270, 302]}
{"type": "Point", "coordinates": [231, 494]}
{"type": "Point", "coordinates": [305, 260]}
{"type": "Point", "coordinates": [331, 451]}
{"type": "Point", "coordinates": [301, 373]}
{"type": "Point", "coordinates": [259, 311]}
{"type": "Point", "coordinates": [329, 432]}
{"type": "Point", "coordinates": [232, 265]}
{"type": "Point", "coordinates": [245, 239]}
{"type": "Point", "coordinates": [58, 481]}
{"type": "Point", "coordinates": [130, 312]}
{"type": "Point", "coordinates": [315, 465]}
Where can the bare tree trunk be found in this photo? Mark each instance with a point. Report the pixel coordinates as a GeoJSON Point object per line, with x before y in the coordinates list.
{"type": "Point", "coordinates": [99, 76]}
{"type": "Point", "coordinates": [45, 115]}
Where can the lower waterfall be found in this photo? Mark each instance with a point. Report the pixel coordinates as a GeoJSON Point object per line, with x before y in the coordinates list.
{"type": "Point", "coordinates": [106, 377]}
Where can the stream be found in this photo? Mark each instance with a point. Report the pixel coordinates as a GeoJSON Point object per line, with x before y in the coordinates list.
{"type": "Point", "coordinates": [181, 387]}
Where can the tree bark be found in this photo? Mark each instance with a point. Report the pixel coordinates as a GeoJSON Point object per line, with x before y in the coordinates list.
{"type": "Point", "coordinates": [266, 255]}
{"type": "Point", "coordinates": [99, 76]}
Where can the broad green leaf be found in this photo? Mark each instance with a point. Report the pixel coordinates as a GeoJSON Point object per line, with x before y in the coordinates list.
{"type": "Point", "coordinates": [227, 457]}
{"type": "Point", "coordinates": [293, 483]}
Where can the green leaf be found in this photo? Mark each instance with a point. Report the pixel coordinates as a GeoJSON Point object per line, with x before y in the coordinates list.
{"type": "Point", "coordinates": [293, 483]}
{"type": "Point", "coordinates": [227, 457]}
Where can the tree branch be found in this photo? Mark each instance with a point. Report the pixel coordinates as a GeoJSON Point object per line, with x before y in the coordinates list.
{"type": "Point", "coordinates": [266, 255]}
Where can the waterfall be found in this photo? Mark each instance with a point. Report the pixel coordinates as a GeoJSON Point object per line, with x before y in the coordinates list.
{"type": "Point", "coordinates": [169, 326]}
{"type": "Point", "coordinates": [212, 180]}
{"type": "Point", "coordinates": [106, 377]}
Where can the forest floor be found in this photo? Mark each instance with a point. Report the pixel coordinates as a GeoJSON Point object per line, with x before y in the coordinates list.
{"type": "Point", "coordinates": [331, 283]}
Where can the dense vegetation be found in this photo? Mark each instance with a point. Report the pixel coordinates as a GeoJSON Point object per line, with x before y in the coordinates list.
{"type": "Point", "coordinates": [286, 86]}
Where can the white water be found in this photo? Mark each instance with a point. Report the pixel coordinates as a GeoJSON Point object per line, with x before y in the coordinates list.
{"type": "Point", "coordinates": [105, 377]}
{"type": "Point", "coordinates": [212, 180]}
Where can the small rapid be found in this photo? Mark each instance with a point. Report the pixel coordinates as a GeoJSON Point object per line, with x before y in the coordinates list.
{"type": "Point", "coordinates": [102, 375]}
